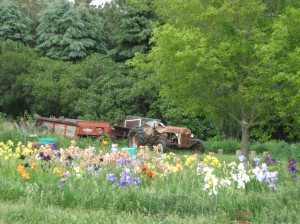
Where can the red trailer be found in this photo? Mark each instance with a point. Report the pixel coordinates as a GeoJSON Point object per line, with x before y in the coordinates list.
{"type": "Point", "coordinates": [73, 128]}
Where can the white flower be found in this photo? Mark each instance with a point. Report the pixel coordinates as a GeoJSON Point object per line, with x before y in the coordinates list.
{"type": "Point", "coordinates": [241, 167]}
{"type": "Point", "coordinates": [258, 174]}
{"type": "Point", "coordinates": [114, 148]}
{"type": "Point", "coordinates": [231, 164]}
{"type": "Point", "coordinates": [211, 181]}
{"type": "Point", "coordinates": [225, 182]}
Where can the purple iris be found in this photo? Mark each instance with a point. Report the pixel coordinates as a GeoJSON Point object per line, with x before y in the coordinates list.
{"type": "Point", "coordinates": [256, 161]}
{"type": "Point", "coordinates": [90, 169]}
{"type": "Point", "coordinates": [292, 166]}
{"type": "Point", "coordinates": [242, 158]}
{"type": "Point", "coordinates": [112, 178]}
{"type": "Point", "coordinates": [136, 181]}
{"type": "Point", "coordinates": [125, 178]}
{"type": "Point", "coordinates": [120, 162]}
{"type": "Point", "coordinates": [270, 160]}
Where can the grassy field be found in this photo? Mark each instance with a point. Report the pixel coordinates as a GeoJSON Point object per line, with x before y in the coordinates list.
{"type": "Point", "coordinates": [170, 188]}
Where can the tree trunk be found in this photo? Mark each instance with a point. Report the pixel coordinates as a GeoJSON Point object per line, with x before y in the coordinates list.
{"type": "Point", "coordinates": [245, 139]}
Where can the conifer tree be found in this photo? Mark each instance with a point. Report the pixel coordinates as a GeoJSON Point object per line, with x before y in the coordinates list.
{"type": "Point", "coordinates": [69, 33]}
{"type": "Point", "coordinates": [13, 24]}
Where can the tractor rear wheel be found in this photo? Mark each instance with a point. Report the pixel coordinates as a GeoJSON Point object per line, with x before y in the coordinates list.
{"type": "Point", "coordinates": [136, 137]}
{"type": "Point", "coordinates": [198, 146]}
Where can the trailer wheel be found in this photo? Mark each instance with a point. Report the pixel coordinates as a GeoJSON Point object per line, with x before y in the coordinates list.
{"type": "Point", "coordinates": [136, 137]}
{"type": "Point", "coordinates": [198, 146]}
{"type": "Point", "coordinates": [162, 145]}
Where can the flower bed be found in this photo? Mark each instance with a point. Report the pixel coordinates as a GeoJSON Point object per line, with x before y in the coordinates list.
{"type": "Point", "coordinates": [148, 181]}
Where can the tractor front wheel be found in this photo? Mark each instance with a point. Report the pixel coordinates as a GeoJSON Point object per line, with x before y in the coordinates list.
{"type": "Point", "coordinates": [136, 137]}
{"type": "Point", "coordinates": [162, 146]}
{"type": "Point", "coordinates": [198, 146]}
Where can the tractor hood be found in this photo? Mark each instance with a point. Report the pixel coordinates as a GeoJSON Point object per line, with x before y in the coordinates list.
{"type": "Point", "coordinates": [172, 129]}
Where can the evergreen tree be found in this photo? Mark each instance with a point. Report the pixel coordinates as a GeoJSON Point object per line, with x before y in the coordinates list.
{"type": "Point", "coordinates": [13, 25]}
{"type": "Point", "coordinates": [69, 33]}
{"type": "Point", "coordinates": [134, 31]}
{"type": "Point", "coordinates": [111, 17]}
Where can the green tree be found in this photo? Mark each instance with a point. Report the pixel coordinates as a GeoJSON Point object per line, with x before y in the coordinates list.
{"type": "Point", "coordinates": [111, 17]}
{"type": "Point", "coordinates": [33, 10]}
{"type": "Point", "coordinates": [107, 98]}
{"type": "Point", "coordinates": [134, 31]}
{"type": "Point", "coordinates": [15, 59]}
{"type": "Point", "coordinates": [226, 58]}
{"type": "Point", "coordinates": [52, 87]}
{"type": "Point", "coordinates": [13, 24]}
{"type": "Point", "coordinates": [69, 33]}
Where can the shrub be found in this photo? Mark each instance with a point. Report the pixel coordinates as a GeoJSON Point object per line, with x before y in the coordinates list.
{"type": "Point", "coordinates": [229, 146]}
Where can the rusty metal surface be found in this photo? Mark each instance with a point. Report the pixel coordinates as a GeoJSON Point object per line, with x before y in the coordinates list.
{"type": "Point", "coordinates": [172, 129]}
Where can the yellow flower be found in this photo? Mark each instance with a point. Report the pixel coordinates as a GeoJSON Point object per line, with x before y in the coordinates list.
{"type": "Point", "coordinates": [211, 161]}
{"type": "Point", "coordinates": [73, 143]}
{"type": "Point", "coordinates": [56, 170]}
{"type": "Point", "coordinates": [104, 143]}
{"type": "Point", "coordinates": [29, 145]}
{"type": "Point", "coordinates": [10, 143]}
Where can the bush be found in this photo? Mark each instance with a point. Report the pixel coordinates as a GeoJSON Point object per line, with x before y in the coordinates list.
{"type": "Point", "coordinates": [229, 146]}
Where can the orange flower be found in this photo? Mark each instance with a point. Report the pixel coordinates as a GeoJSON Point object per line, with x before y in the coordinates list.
{"type": "Point", "coordinates": [151, 175]}
{"type": "Point", "coordinates": [20, 168]}
{"type": "Point", "coordinates": [144, 169]}
{"type": "Point", "coordinates": [104, 143]}
{"type": "Point", "coordinates": [25, 175]}
{"type": "Point", "coordinates": [63, 175]}
{"type": "Point", "coordinates": [34, 166]}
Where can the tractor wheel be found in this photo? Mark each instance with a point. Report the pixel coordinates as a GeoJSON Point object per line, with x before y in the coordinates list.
{"type": "Point", "coordinates": [162, 145]}
{"type": "Point", "coordinates": [198, 146]}
{"type": "Point", "coordinates": [136, 137]}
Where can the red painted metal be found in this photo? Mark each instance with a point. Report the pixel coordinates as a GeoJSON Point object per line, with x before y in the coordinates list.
{"type": "Point", "coordinates": [73, 128]}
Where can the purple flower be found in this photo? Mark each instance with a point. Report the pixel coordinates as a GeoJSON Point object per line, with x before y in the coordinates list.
{"type": "Point", "coordinates": [272, 186]}
{"type": "Point", "coordinates": [256, 161]}
{"type": "Point", "coordinates": [136, 181]}
{"type": "Point", "coordinates": [125, 178]}
{"type": "Point", "coordinates": [269, 160]}
{"type": "Point", "coordinates": [112, 178]}
{"type": "Point", "coordinates": [273, 175]}
{"type": "Point", "coordinates": [120, 162]}
{"type": "Point", "coordinates": [128, 160]}
{"type": "Point", "coordinates": [292, 166]}
{"type": "Point", "coordinates": [90, 169]}
{"type": "Point", "coordinates": [242, 158]}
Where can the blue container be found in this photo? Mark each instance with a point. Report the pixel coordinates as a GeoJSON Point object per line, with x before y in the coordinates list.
{"type": "Point", "coordinates": [47, 140]}
{"type": "Point", "coordinates": [132, 151]}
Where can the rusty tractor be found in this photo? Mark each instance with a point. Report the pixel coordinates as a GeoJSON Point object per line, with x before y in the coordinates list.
{"type": "Point", "coordinates": [164, 137]}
